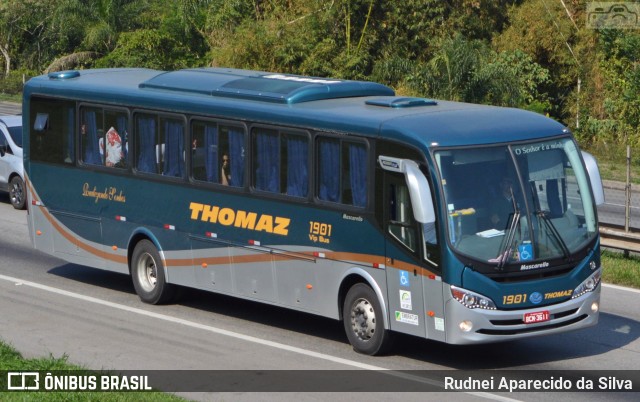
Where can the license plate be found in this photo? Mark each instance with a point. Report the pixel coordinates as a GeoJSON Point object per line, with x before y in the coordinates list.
{"type": "Point", "coordinates": [538, 316]}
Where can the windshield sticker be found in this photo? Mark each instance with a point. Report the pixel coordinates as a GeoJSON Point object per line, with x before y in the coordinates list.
{"type": "Point", "coordinates": [525, 251]}
{"type": "Point", "coordinates": [528, 149]}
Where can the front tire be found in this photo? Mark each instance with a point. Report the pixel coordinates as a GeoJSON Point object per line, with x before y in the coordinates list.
{"type": "Point", "coordinates": [17, 193]}
{"type": "Point", "coordinates": [147, 273]}
{"type": "Point", "coordinates": [364, 321]}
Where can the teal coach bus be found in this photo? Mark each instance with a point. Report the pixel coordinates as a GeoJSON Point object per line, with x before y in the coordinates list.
{"type": "Point", "coordinates": [449, 221]}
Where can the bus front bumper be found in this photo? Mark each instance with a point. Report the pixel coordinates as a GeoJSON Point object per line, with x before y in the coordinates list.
{"type": "Point", "coordinates": [467, 326]}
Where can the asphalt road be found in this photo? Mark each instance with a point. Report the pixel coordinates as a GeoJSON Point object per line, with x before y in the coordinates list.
{"type": "Point", "coordinates": [8, 108]}
{"type": "Point", "coordinates": [49, 307]}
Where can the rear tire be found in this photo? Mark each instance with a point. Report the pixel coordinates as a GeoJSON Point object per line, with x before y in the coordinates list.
{"type": "Point", "coordinates": [17, 195]}
{"type": "Point", "coordinates": [147, 272]}
{"type": "Point", "coordinates": [364, 321]}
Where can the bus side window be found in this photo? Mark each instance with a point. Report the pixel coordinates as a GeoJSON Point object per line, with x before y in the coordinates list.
{"type": "Point", "coordinates": [281, 162]}
{"type": "Point", "coordinates": [115, 139]}
{"type": "Point", "coordinates": [217, 153]}
{"type": "Point", "coordinates": [343, 171]}
{"type": "Point", "coordinates": [171, 162]}
{"type": "Point", "coordinates": [400, 219]}
{"type": "Point", "coordinates": [90, 130]}
{"type": "Point", "coordinates": [53, 135]}
{"type": "Point", "coordinates": [146, 154]}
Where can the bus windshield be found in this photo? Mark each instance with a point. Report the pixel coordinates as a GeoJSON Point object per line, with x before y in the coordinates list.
{"type": "Point", "coordinates": [517, 205]}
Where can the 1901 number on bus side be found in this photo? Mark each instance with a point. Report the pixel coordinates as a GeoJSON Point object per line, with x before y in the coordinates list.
{"type": "Point", "coordinates": [320, 232]}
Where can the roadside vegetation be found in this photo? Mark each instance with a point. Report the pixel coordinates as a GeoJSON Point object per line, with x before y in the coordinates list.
{"type": "Point", "coordinates": [621, 270]}
{"type": "Point", "coordinates": [11, 360]}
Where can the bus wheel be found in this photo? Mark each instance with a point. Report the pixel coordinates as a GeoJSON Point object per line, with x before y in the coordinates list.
{"type": "Point", "coordinates": [364, 322]}
{"type": "Point", "coordinates": [17, 193]}
{"type": "Point", "coordinates": [147, 271]}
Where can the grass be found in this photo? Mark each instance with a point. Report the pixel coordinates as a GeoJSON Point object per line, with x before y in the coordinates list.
{"type": "Point", "coordinates": [12, 360]}
{"type": "Point", "coordinates": [612, 161]}
{"type": "Point", "coordinates": [10, 98]}
{"type": "Point", "coordinates": [621, 270]}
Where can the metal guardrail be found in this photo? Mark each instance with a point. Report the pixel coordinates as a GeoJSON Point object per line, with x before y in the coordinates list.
{"type": "Point", "coordinates": [613, 236]}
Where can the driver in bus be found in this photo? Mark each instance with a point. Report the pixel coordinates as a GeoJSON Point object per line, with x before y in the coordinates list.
{"type": "Point", "coordinates": [503, 204]}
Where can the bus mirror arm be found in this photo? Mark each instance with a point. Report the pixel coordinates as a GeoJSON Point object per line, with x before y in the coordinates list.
{"type": "Point", "coordinates": [594, 176]}
{"type": "Point", "coordinates": [419, 189]}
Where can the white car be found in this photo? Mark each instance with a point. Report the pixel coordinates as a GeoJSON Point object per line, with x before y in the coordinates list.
{"type": "Point", "coordinates": [11, 167]}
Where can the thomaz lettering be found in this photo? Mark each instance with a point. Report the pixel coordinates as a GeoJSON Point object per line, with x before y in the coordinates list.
{"type": "Point", "coordinates": [240, 219]}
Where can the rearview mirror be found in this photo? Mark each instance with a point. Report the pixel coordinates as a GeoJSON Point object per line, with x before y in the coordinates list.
{"type": "Point", "coordinates": [419, 189]}
{"type": "Point", "coordinates": [594, 176]}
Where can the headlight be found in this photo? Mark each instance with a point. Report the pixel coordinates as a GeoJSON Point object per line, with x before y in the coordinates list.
{"type": "Point", "coordinates": [470, 299]}
{"type": "Point", "coordinates": [589, 285]}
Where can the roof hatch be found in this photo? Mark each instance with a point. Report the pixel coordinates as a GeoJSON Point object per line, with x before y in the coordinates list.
{"type": "Point", "coordinates": [267, 87]}
{"type": "Point", "coordinates": [401, 102]}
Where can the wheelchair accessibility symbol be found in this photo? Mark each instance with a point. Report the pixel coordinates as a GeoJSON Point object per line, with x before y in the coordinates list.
{"type": "Point", "coordinates": [526, 251]}
{"type": "Point", "coordinates": [404, 278]}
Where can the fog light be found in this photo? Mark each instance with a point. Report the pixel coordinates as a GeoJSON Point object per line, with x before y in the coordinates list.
{"type": "Point", "coordinates": [595, 307]}
{"type": "Point", "coordinates": [466, 326]}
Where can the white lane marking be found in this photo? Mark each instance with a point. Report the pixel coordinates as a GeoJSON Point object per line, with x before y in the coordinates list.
{"type": "Point", "coordinates": [346, 362]}
{"type": "Point", "coordinates": [616, 287]}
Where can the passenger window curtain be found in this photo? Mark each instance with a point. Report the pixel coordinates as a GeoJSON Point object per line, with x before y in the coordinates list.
{"type": "Point", "coordinates": [358, 174]}
{"type": "Point", "coordinates": [553, 198]}
{"type": "Point", "coordinates": [268, 162]}
{"type": "Point", "coordinates": [147, 151]}
{"type": "Point", "coordinates": [174, 149]}
{"type": "Point", "coordinates": [211, 153]}
{"type": "Point", "coordinates": [236, 149]}
{"type": "Point", "coordinates": [70, 154]}
{"type": "Point", "coordinates": [90, 138]}
{"type": "Point", "coordinates": [297, 166]}
{"type": "Point", "coordinates": [121, 123]}
{"type": "Point", "coordinates": [329, 171]}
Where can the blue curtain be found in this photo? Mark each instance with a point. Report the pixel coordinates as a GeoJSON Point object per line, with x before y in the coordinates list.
{"type": "Point", "coordinates": [236, 149]}
{"type": "Point", "coordinates": [91, 146]}
{"type": "Point", "coordinates": [358, 174]}
{"type": "Point", "coordinates": [173, 149]}
{"type": "Point", "coordinates": [268, 162]}
{"type": "Point", "coordinates": [329, 186]}
{"type": "Point", "coordinates": [211, 154]}
{"type": "Point", "coordinates": [147, 151]}
{"type": "Point", "coordinates": [553, 199]}
{"type": "Point", "coordinates": [70, 154]}
{"type": "Point", "coordinates": [297, 166]}
{"type": "Point", "coordinates": [121, 126]}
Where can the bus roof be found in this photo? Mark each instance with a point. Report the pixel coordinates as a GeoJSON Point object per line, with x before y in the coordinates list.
{"type": "Point", "coordinates": [344, 106]}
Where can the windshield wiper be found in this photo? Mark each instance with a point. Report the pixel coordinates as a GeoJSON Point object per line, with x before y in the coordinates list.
{"type": "Point", "coordinates": [503, 256]}
{"type": "Point", "coordinates": [547, 222]}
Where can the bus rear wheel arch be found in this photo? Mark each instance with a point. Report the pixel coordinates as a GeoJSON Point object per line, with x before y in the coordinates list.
{"type": "Point", "coordinates": [363, 321]}
{"type": "Point", "coordinates": [148, 274]}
